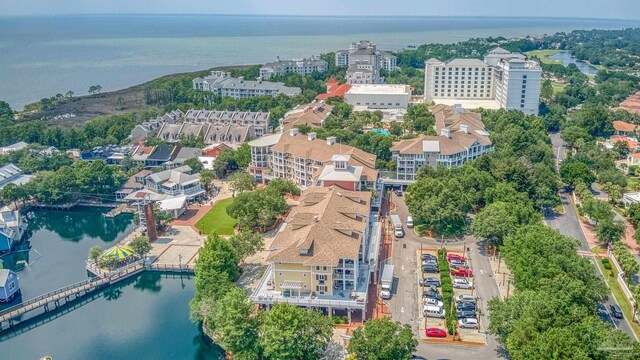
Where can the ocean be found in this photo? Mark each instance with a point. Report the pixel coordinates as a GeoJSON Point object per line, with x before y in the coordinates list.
{"type": "Point", "coordinates": [43, 56]}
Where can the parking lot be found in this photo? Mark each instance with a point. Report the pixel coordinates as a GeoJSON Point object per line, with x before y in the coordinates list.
{"type": "Point", "coordinates": [428, 319]}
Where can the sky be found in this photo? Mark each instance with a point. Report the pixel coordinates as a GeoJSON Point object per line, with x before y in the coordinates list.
{"type": "Point", "coordinates": [609, 9]}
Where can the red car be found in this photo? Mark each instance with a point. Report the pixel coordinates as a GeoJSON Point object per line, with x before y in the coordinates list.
{"type": "Point", "coordinates": [455, 257]}
{"type": "Point", "coordinates": [435, 332]}
{"type": "Point", "coordinates": [462, 272]}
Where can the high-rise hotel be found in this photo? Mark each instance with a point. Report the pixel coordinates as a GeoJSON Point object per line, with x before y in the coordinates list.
{"type": "Point", "coordinates": [504, 79]}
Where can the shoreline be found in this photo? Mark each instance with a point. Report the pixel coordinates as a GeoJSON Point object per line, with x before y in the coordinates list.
{"type": "Point", "coordinates": [86, 107]}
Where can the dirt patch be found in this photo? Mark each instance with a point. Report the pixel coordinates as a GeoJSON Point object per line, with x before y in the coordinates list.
{"type": "Point", "coordinates": [77, 110]}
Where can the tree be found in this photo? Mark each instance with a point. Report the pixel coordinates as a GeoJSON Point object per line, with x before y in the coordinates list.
{"type": "Point", "coordinates": [95, 89]}
{"type": "Point", "coordinates": [290, 332]}
{"type": "Point", "coordinates": [154, 141]}
{"type": "Point", "coordinates": [234, 324]}
{"type": "Point", "coordinates": [69, 94]}
{"type": "Point", "coordinates": [257, 209]}
{"type": "Point", "coordinates": [95, 252]}
{"type": "Point", "coordinates": [546, 91]}
{"type": "Point", "coordinates": [575, 172]}
{"type": "Point", "coordinates": [216, 269]}
{"type": "Point", "coordinates": [191, 140]}
{"type": "Point", "coordinates": [243, 156]}
{"type": "Point", "coordinates": [119, 103]}
{"type": "Point", "coordinates": [241, 181]}
{"type": "Point", "coordinates": [247, 243]}
{"type": "Point", "coordinates": [282, 187]}
{"type": "Point", "coordinates": [614, 191]}
{"type": "Point", "coordinates": [609, 231]}
{"type": "Point", "coordinates": [141, 246]}
{"type": "Point", "coordinates": [224, 162]}
{"type": "Point", "coordinates": [633, 213]}
{"type": "Point", "coordinates": [206, 177]}
{"type": "Point", "coordinates": [195, 164]}
{"type": "Point", "coordinates": [621, 148]}
{"type": "Point", "coordinates": [498, 220]}
{"type": "Point", "coordinates": [381, 339]}
{"type": "Point", "coordinates": [163, 218]}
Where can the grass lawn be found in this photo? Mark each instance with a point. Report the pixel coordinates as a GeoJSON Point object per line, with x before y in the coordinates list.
{"type": "Point", "coordinates": [557, 87]}
{"type": "Point", "coordinates": [217, 220]}
{"type": "Point", "coordinates": [543, 55]}
{"type": "Point", "coordinates": [616, 290]}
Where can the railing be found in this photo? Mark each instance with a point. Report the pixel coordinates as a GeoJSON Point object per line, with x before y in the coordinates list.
{"type": "Point", "coordinates": [172, 267]}
{"type": "Point", "coordinates": [308, 301]}
{"type": "Point", "coordinates": [625, 289]}
{"type": "Point", "coordinates": [49, 294]}
{"type": "Point", "coordinates": [264, 278]}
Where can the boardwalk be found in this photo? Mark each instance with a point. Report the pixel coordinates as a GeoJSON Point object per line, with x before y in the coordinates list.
{"type": "Point", "coordinates": [61, 296]}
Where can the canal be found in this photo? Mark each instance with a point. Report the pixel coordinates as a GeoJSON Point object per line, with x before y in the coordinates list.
{"type": "Point", "coordinates": [145, 317]}
{"type": "Point", "coordinates": [567, 59]}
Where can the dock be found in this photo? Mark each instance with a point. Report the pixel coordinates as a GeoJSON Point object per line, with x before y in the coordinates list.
{"type": "Point", "coordinates": [59, 297]}
{"type": "Point", "coordinates": [120, 209]}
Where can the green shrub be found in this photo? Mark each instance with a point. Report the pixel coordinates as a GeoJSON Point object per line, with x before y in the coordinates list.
{"type": "Point", "coordinates": [606, 263]}
{"type": "Point", "coordinates": [447, 290]}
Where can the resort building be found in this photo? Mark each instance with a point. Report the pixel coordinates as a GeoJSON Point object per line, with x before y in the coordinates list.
{"type": "Point", "coordinates": [323, 256]}
{"type": "Point", "coordinates": [364, 61]}
{"type": "Point", "coordinates": [313, 114]}
{"type": "Point", "coordinates": [220, 83]}
{"type": "Point", "coordinates": [11, 174]}
{"type": "Point", "coordinates": [462, 137]}
{"type": "Point", "coordinates": [12, 228]}
{"type": "Point", "coordinates": [503, 80]}
{"type": "Point", "coordinates": [378, 96]}
{"type": "Point", "coordinates": [297, 66]}
{"type": "Point", "coordinates": [134, 183]}
{"type": "Point", "coordinates": [302, 158]}
{"type": "Point", "coordinates": [631, 104]}
{"type": "Point", "coordinates": [334, 89]}
{"type": "Point", "coordinates": [175, 182]}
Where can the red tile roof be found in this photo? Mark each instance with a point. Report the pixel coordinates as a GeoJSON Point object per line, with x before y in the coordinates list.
{"type": "Point", "coordinates": [632, 103]}
{"type": "Point", "coordinates": [332, 81]}
{"type": "Point", "coordinates": [338, 90]}
{"type": "Point", "coordinates": [631, 144]}
{"type": "Point", "coordinates": [623, 126]}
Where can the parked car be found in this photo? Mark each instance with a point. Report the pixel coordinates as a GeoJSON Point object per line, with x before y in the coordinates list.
{"type": "Point", "coordinates": [399, 233]}
{"type": "Point", "coordinates": [430, 281]}
{"type": "Point", "coordinates": [432, 301]}
{"type": "Point", "coordinates": [466, 306]}
{"type": "Point", "coordinates": [466, 314]}
{"type": "Point", "coordinates": [432, 294]}
{"type": "Point", "coordinates": [429, 256]}
{"type": "Point", "coordinates": [465, 298]}
{"type": "Point", "coordinates": [398, 192]}
{"type": "Point", "coordinates": [461, 272]}
{"type": "Point", "coordinates": [431, 262]}
{"type": "Point", "coordinates": [468, 323]}
{"type": "Point", "coordinates": [434, 311]}
{"type": "Point", "coordinates": [455, 257]}
{"type": "Point", "coordinates": [431, 288]}
{"type": "Point", "coordinates": [435, 332]}
{"type": "Point", "coordinates": [616, 311]}
{"type": "Point", "coordinates": [457, 263]}
{"type": "Point", "coordinates": [409, 222]}
{"type": "Point", "coordinates": [462, 284]}
{"type": "Point", "coordinates": [430, 269]}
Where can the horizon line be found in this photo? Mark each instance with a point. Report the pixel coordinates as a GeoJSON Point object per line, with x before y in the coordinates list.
{"type": "Point", "coordinates": [323, 16]}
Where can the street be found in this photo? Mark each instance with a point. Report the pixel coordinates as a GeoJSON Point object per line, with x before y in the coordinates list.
{"type": "Point", "coordinates": [568, 224]}
{"type": "Point", "coordinates": [403, 304]}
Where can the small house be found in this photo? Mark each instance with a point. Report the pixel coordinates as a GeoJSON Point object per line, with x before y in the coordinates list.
{"type": "Point", "coordinates": [9, 286]}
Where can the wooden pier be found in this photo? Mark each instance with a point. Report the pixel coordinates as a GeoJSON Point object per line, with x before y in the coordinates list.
{"type": "Point", "coordinates": [120, 209]}
{"type": "Point", "coordinates": [59, 297]}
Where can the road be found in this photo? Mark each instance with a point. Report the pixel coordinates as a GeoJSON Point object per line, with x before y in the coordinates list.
{"type": "Point", "coordinates": [568, 224]}
{"type": "Point", "coordinates": [404, 303]}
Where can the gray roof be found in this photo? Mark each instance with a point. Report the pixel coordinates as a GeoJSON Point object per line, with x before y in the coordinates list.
{"type": "Point", "coordinates": [8, 171]}
{"type": "Point", "coordinates": [466, 62]}
{"type": "Point", "coordinates": [4, 274]}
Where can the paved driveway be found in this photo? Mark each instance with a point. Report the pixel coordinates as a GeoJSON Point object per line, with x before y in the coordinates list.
{"type": "Point", "coordinates": [403, 304]}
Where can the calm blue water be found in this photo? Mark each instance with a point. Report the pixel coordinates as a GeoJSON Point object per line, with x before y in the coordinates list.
{"type": "Point", "coordinates": [567, 59]}
{"type": "Point", "coordinates": [146, 317]}
{"type": "Point", "coordinates": [42, 56]}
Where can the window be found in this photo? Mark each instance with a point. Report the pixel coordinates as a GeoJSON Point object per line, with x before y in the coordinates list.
{"type": "Point", "coordinates": [12, 285]}
{"type": "Point", "coordinates": [304, 275]}
{"type": "Point", "coordinates": [279, 274]}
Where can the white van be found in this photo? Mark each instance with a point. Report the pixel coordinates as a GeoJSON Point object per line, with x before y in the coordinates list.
{"type": "Point", "coordinates": [433, 311]}
{"type": "Point", "coordinates": [432, 301]}
{"type": "Point", "coordinates": [462, 284]}
{"type": "Point", "coordinates": [409, 222]}
{"type": "Point", "coordinates": [465, 298]}
{"type": "Point", "coordinates": [468, 323]}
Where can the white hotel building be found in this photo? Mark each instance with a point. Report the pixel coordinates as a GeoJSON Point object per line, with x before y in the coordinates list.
{"type": "Point", "coordinates": [503, 80]}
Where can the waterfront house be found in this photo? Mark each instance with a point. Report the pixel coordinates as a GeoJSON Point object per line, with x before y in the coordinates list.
{"type": "Point", "coordinates": [175, 182]}
{"type": "Point", "coordinates": [12, 228]}
{"type": "Point", "coordinates": [11, 174]}
{"type": "Point", "coordinates": [321, 256]}
{"type": "Point", "coordinates": [9, 285]}
{"type": "Point", "coordinates": [135, 182]}
{"type": "Point", "coordinates": [162, 154]}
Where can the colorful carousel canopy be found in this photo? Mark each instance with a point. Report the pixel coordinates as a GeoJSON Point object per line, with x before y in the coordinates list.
{"type": "Point", "coordinates": [118, 252]}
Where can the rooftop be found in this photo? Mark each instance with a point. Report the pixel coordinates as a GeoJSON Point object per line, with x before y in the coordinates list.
{"type": "Point", "coordinates": [379, 89]}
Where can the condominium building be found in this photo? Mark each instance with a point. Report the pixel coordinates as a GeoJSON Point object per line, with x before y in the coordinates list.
{"type": "Point", "coordinates": [298, 66]}
{"type": "Point", "coordinates": [364, 62]}
{"type": "Point", "coordinates": [302, 158]}
{"type": "Point", "coordinates": [378, 96]}
{"type": "Point", "coordinates": [462, 137]}
{"type": "Point", "coordinates": [220, 83]}
{"type": "Point", "coordinates": [503, 79]}
{"type": "Point", "coordinates": [320, 257]}
{"type": "Point", "coordinates": [313, 114]}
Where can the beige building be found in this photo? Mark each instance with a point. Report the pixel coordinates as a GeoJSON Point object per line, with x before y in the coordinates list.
{"type": "Point", "coordinates": [461, 137]}
{"type": "Point", "coordinates": [320, 256]}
